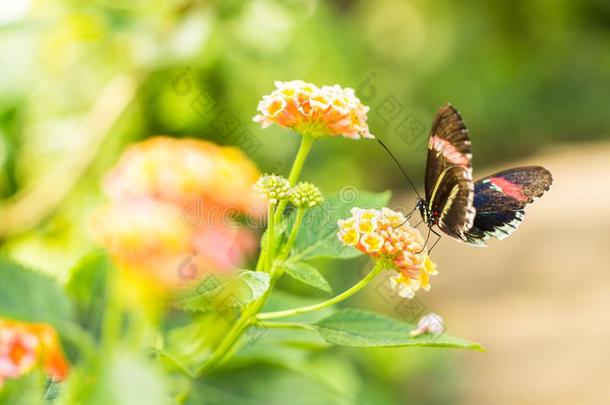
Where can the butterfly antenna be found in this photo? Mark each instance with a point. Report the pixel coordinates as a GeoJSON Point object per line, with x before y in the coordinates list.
{"type": "Point", "coordinates": [399, 166]}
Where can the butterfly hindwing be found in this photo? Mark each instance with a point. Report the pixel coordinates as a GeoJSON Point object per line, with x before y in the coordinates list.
{"type": "Point", "coordinates": [449, 188]}
{"type": "Point", "coordinates": [500, 201]}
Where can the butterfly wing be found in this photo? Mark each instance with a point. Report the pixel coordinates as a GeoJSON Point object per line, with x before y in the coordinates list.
{"type": "Point", "coordinates": [448, 145]}
{"type": "Point", "coordinates": [452, 201]}
{"type": "Point", "coordinates": [500, 201]}
{"type": "Point", "coordinates": [449, 188]}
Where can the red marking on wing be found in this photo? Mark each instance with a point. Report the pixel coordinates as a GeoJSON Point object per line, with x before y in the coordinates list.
{"type": "Point", "coordinates": [449, 151]}
{"type": "Point", "coordinates": [508, 188]}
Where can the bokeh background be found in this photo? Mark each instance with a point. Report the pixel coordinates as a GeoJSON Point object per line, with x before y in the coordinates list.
{"type": "Point", "coordinates": [79, 81]}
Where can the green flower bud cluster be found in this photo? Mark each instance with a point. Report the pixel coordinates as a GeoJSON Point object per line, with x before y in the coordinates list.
{"type": "Point", "coordinates": [276, 188]}
{"type": "Point", "coordinates": [273, 187]}
{"type": "Point", "coordinates": [306, 195]}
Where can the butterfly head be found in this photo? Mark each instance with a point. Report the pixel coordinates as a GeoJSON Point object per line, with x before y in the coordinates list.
{"type": "Point", "coordinates": [421, 207]}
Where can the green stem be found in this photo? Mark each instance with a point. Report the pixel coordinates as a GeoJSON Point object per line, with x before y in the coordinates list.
{"type": "Point", "coordinates": [260, 261]}
{"type": "Point", "coordinates": [247, 316]}
{"type": "Point", "coordinates": [299, 160]}
{"type": "Point", "coordinates": [270, 236]}
{"type": "Point", "coordinates": [344, 295]}
{"type": "Point", "coordinates": [177, 363]}
{"type": "Point", "coordinates": [295, 172]}
{"type": "Point", "coordinates": [113, 315]}
{"type": "Point", "coordinates": [294, 232]}
{"type": "Point", "coordinates": [286, 325]}
{"type": "Point", "coordinates": [265, 262]}
{"type": "Point", "coordinates": [225, 345]}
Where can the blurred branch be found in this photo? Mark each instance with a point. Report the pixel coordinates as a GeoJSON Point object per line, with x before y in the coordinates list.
{"type": "Point", "coordinates": [32, 204]}
{"type": "Point", "coordinates": [287, 325]}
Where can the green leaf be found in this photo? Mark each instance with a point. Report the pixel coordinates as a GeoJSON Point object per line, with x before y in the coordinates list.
{"type": "Point", "coordinates": [346, 381]}
{"type": "Point", "coordinates": [133, 380]}
{"type": "Point", "coordinates": [32, 297]}
{"type": "Point", "coordinates": [357, 328]}
{"type": "Point", "coordinates": [124, 379]}
{"type": "Point", "coordinates": [26, 390]}
{"type": "Point", "coordinates": [87, 287]}
{"type": "Point", "coordinates": [282, 347]}
{"type": "Point", "coordinates": [318, 234]}
{"type": "Point", "coordinates": [308, 274]}
{"type": "Point", "coordinates": [211, 292]}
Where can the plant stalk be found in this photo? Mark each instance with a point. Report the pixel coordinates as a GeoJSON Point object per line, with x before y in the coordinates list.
{"type": "Point", "coordinates": [295, 172]}
{"type": "Point", "coordinates": [266, 262]}
{"type": "Point", "coordinates": [310, 308]}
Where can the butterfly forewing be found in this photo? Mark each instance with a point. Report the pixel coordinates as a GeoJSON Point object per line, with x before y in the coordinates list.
{"type": "Point", "coordinates": [452, 201]}
{"type": "Point", "coordinates": [500, 201]}
{"type": "Point", "coordinates": [449, 188]}
{"type": "Point", "coordinates": [448, 145]}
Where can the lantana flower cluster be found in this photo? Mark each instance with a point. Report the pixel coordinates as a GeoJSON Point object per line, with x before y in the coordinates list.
{"type": "Point", "coordinates": [24, 346]}
{"type": "Point", "coordinates": [169, 199]}
{"type": "Point", "coordinates": [276, 188]}
{"type": "Point", "coordinates": [385, 235]}
{"type": "Point", "coordinates": [315, 111]}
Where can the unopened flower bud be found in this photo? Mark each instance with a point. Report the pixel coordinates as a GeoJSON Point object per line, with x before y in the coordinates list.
{"type": "Point", "coordinates": [306, 195]}
{"type": "Point", "coordinates": [273, 187]}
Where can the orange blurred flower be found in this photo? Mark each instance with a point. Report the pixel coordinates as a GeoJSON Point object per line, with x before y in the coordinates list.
{"type": "Point", "coordinates": [181, 171]}
{"type": "Point", "coordinates": [175, 198]}
{"type": "Point", "coordinates": [385, 235]}
{"type": "Point", "coordinates": [23, 346]}
{"type": "Point", "coordinates": [315, 111]}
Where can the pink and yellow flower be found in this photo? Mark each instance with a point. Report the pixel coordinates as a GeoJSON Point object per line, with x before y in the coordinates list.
{"type": "Point", "coordinates": [180, 171]}
{"type": "Point", "coordinates": [24, 346]}
{"type": "Point", "coordinates": [169, 199]}
{"type": "Point", "coordinates": [385, 235]}
{"type": "Point", "coordinates": [315, 111]}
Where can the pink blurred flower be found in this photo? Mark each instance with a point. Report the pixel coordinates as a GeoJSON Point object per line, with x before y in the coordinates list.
{"type": "Point", "coordinates": [169, 199]}
{"type": "Point", "coordinates": [23, 346]}
{"type": "Point", "coordinates": [181, 171]}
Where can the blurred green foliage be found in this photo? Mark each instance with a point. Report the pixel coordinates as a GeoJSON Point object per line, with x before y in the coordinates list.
{"type": "Point", "coordinates": [524, 74]}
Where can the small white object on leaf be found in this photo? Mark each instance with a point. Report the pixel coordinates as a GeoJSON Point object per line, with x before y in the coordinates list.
{"type": "Point", "coordinates": [431, 323]}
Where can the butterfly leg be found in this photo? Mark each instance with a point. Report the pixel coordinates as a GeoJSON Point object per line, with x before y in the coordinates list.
{"type": "Point", "coordinates": [407, 217]}
{"type": "Point", "coordinates": [430, 230]}
{"type": "Point", "coordinates": [438, 238]}
{"type": "Point", "coordinates": [426, 242]}
{"type": "Point", "coordinates": [410, 214]}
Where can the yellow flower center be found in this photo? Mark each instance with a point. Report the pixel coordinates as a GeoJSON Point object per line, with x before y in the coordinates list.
{"type": "Point", "coordinates": [349, 237]}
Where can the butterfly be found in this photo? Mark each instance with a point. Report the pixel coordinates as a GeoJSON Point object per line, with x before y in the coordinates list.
{"type": "Point", "coordinates": [466, 210]}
